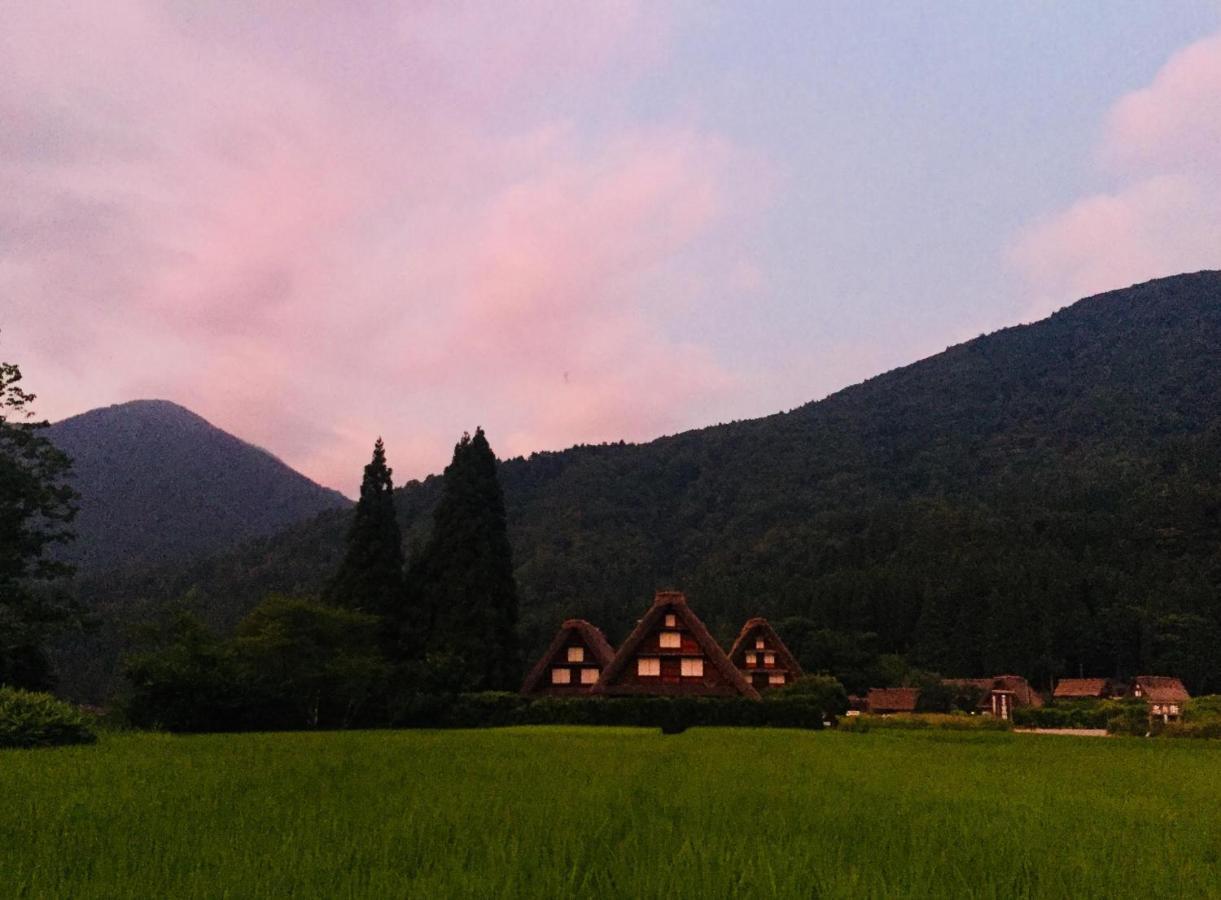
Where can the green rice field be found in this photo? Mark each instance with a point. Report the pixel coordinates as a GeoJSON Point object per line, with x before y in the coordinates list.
{"type": "Point", "coordinates": [598, 812]}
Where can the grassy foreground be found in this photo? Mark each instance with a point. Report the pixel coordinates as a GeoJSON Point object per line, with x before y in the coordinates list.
{"type": "Point", "coordinates": [561, 812]}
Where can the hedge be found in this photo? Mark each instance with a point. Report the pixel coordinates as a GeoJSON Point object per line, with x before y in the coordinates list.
{"type": "Point", "coordinates": [39, 720]}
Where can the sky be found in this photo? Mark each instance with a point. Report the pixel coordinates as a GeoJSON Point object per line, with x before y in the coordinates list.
{"type": "Point", "coordinates": [318, 223]}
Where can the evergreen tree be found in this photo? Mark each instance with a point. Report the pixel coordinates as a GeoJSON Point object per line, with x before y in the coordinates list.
{"type": "Point", "coordinates": [465, 573]}
{"type": "Point", "coordinates": [370, 578]}
{"type": "Point", "coordinates": [36, 510]}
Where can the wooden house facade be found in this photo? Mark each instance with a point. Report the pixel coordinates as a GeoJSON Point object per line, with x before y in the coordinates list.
{"type": "Point", "coordinates": [572, 664]}
{"type": "Point", "coordinates": [1000, 695]}
{"type": "Point", "coordinates": [1165, 696]}
{"type": "Point", "coordinates": [670, 652]}
{"type": "Point", "coordinates": [762, 658]}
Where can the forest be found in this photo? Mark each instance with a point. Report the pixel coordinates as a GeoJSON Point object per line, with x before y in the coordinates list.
{"type": "Point", "coordinates": [1044, 500]}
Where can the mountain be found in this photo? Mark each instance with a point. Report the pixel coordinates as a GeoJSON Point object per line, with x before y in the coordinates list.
{"type": "Point", "coordinates": [1043, 500]}
{"type": "Point", "coordinates": [158, 483]}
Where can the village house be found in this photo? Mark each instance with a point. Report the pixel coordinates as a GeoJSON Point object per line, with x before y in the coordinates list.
{"type": "Point", "coordinates": [572, 663]}
{"type": "Point", "coordinates": [1000, 695]}
{"type": "Point", "coordinates": [670, 652]}
{"type": "Point", "coordinates": [1165, 696]}
{"type": "Point", "coordinates": [1085, 689]}
{"type": "Point", "coordinates": [762, 658]}
{"type": "Point", "coordinates": [886, 701]}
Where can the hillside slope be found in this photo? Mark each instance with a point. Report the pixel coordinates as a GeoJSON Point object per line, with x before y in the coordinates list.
{"type": "Point", "coordinates": [159, 483]}
{"type": "Point", "coordinates": [1045, 499]}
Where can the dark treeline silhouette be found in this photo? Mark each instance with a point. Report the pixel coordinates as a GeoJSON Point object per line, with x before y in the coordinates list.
{"type": "Point", "coordinates": [1045, 500]}
{"type": "Point", "coordinates": [382, 636]}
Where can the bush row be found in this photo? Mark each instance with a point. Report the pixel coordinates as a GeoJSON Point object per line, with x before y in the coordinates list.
{"type": "Point", "coordinates": [945, 722]}
{"type": "Point", "coordinates": [39, 720]}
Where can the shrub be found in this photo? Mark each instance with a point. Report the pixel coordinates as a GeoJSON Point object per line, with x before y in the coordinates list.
{"type": "Point", "coordinates": [943, 722]}
{"type": "Point", "coordinates": [1129, 716]}
{"type": "Point", "coordinates": [1075, 716]}
{"type": "Point", "coordinates": [39, 720]}
{"type": "Point", "coordinates": [823, 690]}
{"type": "Point", "coordinates": [1210, 728]}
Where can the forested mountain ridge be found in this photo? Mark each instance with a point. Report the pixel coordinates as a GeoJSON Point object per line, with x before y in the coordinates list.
{"type": "Point", "coordinates": [1043, 500]}
{"type": "Point", "coordinates": [159, 483]}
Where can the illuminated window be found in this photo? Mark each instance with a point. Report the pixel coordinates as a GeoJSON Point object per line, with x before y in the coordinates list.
{"type": "Point", "coordinates": [769, 659]}
{"type": "Point", "coordinates": [693, 668]}
{"type": "Point", "coordinates": [1174, 709]}
{"type": "Point", "coordinates": [671, 621]}
{"type": "Point", "coordinates": [775, 678]}
{"type": "Point", "coordinates": [759, 643]}
{"type": "Point", "coordinates": [589, 676]}
{"type": "Point", "coordinates": [751, 659]}
{"type": "Point", "coordinates": [561, 676]}
{"type": "Point", "coordinates": [646, 666]}
{"type": "Point", "coordinates": [670, 640]}
{"type": "Point", "coordinates": [576, 654]}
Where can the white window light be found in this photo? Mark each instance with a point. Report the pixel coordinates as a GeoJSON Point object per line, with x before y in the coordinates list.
{"type": "Point", "coordinates": [671, 621]}
{"type": "Point", "coordinates": [648, 666]}
{"type": "Point", "coordinates": [589, 676]}
{"type": "Point", "coordinates": [561, 676]}
{"type": "Point", "coordinates": [752, 659]}
{"type": "Point", "coordinates": [693, 668]}
{"type": "Point", "coordinates": [576, 654]}
{"type": "Point", "coordinates": [670, 640]}
{"type": "Point", "coordinates": [775, 678]}
{"type": "Point", "coordinates": [759, 643]}
{"type": "Point", "coordinates": [769, 659]}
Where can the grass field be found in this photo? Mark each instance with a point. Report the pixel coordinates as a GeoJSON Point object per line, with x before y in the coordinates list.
{"type": "Point", "coordinates": [561, 812]}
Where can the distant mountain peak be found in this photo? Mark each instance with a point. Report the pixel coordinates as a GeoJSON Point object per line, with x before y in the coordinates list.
{"type": "Point", "coordinates": [160, 482]}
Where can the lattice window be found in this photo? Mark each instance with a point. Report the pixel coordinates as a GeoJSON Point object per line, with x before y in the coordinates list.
{"type": "Point", "coordinates": [576, 654]}
{"type": "Point", "coordinates": [693, 668]}
{"type": "Point", "coordinates": [647, 666]}
{"type": "Point", "coordinates": [561, 676]}
{"type": "Point", "coordinates": [670, 640]}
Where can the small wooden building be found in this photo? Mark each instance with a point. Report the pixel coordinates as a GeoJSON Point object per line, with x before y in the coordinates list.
{"type": "Point", "coordinates": [1000, 695]}
{"type": "Point", "coordinates": [1165, 696]}
{"type": "Point", "coordinates": [1084, 688]}
{"type": "Point", "coordinates": [670, 652]}
{"type": "Point", "coordinates": [762, 657]}
{"type": "Point", "coordinates": [573, 662]}
{"type": "Point", "coordinates": [885, 701]}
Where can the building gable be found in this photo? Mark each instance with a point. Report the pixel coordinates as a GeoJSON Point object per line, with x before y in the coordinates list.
{"type": "Point", "coordinates": [572, 663]}
{"type": "Point", "coordinates": [762, 658]}
{"type": "Point", "coordinates": [670, 652]}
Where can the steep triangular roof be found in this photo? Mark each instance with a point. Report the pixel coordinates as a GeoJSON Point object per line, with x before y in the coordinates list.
{"type": "Point", "coordinates": [675, 602]}
{"type": "Point", "coordinates": [762, 627]}
{"type": "Point", "coordinates": [1160, 689]}
{"type": "Point", "coordinates": [591, 636]}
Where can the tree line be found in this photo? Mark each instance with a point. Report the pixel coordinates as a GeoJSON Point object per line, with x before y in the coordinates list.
{"type": "Point", "coordinates": [388, 634]}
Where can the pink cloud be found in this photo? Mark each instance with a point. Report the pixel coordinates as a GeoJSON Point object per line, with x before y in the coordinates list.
{"type": "Point", "coordinates": [366, 224]}
{"type": "Point", "coordinates": [1163, 216]}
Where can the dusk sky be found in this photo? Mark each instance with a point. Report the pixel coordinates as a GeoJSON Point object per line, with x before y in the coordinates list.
{"type": "Point", "coordinates": [571, 222]}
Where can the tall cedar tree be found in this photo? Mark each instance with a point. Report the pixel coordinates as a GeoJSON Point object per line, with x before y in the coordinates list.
{"type": "Point", "coordinates": [36, 510]}
{"type": "Point", "coordinates": [370, 578]}
{"type": "Point", "coordinates": [464, 575]}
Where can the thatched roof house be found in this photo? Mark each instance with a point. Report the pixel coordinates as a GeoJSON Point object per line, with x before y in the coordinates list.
{"type": "Point", "coordinates": [1000, 695]}
{"type": "Point", "coordinates": [883, 701]}
{"type": "Point", "coordinates": [573, 662]}
{"type": "Point", "coordinates": [1083, 688]}
{"type": "Point", "coordinates": [1164, 695]}
{"type": "Point", "coordinates": [762, 657]}
{"type": "Point", "coordinates": [670, 652]}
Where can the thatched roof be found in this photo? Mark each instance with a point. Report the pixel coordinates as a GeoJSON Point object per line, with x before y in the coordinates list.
{"type": "Point", "coordinates": [590, 636]}
{"type": "Point", "coordinates": [1068, 688]}
{"type": "Point", "coordinates": [1160, 689]}
{"type": "Point", "coordinates": [1023, 693]}
{"type": "Point", "coordinates": [893, 699]}
{"type": "Point", "coordinates": [760, 627]}
{"type": "Point", "coordinates": [675, 602]}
